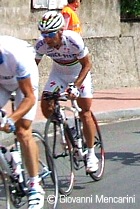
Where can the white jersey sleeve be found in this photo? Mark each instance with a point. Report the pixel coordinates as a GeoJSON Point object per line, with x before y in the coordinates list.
{"type": "Point", "coordinates": [18, 60]}
{"type": "Point", "coordinates": [76, 40]}
{"type": "Point", "coordinates": [22, 71]}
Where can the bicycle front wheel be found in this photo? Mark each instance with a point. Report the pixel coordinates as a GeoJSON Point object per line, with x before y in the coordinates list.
{"type": "Point", "coordinates": [47, 172]}
{"type": "Point", "coordinates": [57, 140]}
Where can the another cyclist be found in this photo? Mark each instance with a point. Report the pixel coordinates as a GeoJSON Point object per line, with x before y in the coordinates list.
{"type": "Point", "coordinates": [19, 73]}
{"type": "Point", "coordinates": [71, 63]}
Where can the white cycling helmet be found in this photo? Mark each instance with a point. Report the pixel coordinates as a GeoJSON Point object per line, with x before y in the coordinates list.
{"type": "Point", "coordinates": [51, 21]}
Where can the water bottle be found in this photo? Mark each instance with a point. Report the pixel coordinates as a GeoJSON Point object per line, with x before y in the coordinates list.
{"type": "Point", "coordinates": [16, 163]}
{"type": "Point", "coordinates": [8, 157]}
{"type": "Point", "coordinates": [13, 159]}
{"type": "Point", "coordinates": [74, 133]}
{"type": "Point", "coordinates": [79, 143]}
{"type": "Point", "coordinates": [79, 146]}
{"type": "Point", "coordinates": [5, 159]}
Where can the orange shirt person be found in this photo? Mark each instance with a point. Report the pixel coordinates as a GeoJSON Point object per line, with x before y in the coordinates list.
{"type": "Point", "coordinates": [72, 21]}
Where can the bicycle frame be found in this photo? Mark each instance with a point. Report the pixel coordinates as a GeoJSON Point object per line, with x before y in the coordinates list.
{"type": "Point", "coordinates": [16, 188]}
{"type": "Point", "coordinates": [60, 114]}
{"type": "Point", "coordinates": [59, 119]}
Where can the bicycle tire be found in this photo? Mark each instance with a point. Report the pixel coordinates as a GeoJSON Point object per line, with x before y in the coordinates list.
{"type": "Point", "coordinates": [50, 185]}
{"type": "Point", "coordinates": [99, 152]}
{"type": "Point", "coordinates": [62, 155]}
{"type": "Point", "coordinates": [5, 201]}
{"type": "Point", "coordinates": [50, 182]}
{"type": "Point", "coordinates": [10, 189]}
{"type": "Point", "coordinates": [9, 200]}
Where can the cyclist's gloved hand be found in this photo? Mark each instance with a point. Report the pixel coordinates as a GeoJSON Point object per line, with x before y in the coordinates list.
{"type": "Point", "coordinates": [6, 124]}
{"type": "Point", "coordinates": [72, 89]}
{"type": "Point", "coordinates": [11, 125]}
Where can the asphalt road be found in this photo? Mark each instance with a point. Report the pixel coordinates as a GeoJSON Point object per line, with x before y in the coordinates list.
{"type": "Point", "coordinates": [120, 186]}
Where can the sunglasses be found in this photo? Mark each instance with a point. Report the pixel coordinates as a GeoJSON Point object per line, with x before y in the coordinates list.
{"type": "Point", "coordinates": [49, 35]}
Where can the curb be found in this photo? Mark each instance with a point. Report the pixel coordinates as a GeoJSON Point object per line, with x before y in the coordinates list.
{"type": "Point", "coordinates": [101, 117]}
{"type": "Point", "coordinates": [118, 114]}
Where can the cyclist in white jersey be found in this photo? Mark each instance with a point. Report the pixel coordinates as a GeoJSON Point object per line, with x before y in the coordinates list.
{"type": "Point", "coordinates": [19, 73]}
{"type": "Point", "coordinates": [71, 64]}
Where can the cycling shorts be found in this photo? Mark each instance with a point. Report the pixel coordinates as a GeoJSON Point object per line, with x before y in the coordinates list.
{"type": "Point", "coordinates": [62, 75]}
{"type": "Point", "coordinates": [5, 94]}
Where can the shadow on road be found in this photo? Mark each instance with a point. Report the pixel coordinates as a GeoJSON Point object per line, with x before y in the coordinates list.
{"type": "Point", "coordinates": [126, 158]}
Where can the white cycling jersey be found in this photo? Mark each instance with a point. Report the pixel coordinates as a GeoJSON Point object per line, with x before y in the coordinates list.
{"type": "Point", "coordinates": [17, 62]}
{"type": "Point", "coordinates": [71, 50]}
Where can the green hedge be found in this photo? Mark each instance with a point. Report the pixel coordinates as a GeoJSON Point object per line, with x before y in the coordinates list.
{"type": "Point", "coordinates": [130, 8]}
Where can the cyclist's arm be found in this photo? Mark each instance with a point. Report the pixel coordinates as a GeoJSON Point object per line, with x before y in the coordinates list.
{"type": "Point", "coordinates": [86, 66]}
{"type": "Point", "coordinates": [38, 54]}
{"type": "Point", "coordinates": [28, 100]}
{"type": "Point", "coordinates": [26, 104]}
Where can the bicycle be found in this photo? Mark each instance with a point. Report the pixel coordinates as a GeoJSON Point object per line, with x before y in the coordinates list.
{"type": "Point", "coordinates": [14, 188]}
{"type": "Point", "coordinates": [67, 143]}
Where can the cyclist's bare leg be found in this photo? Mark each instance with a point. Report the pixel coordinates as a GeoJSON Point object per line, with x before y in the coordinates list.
{"type": "Point", "coordinates": [89, 133]}
{"type": "Point", "coordinates": [30, 154]}
{"type": "Point", "coordinates": [88, 123]}
{"type": "Point", "coordinates": [29, 147]}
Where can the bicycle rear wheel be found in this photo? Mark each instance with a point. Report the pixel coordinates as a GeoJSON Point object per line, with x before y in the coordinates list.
{"type": "Point", "coordinates": [47, 172]}
{"type": "Point", "coordinates": [62, 154]}
{"type": "Point", "coordinates": [99, 152]}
